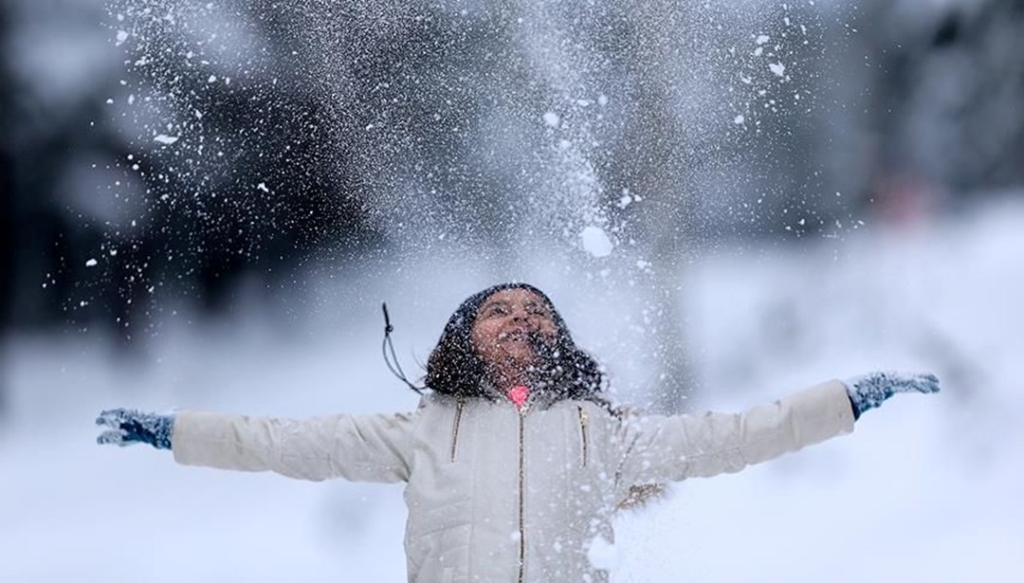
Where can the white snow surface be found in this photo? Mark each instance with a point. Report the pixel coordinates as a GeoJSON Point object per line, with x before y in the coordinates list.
{"type": "Point", "coordinates": [928, 488]}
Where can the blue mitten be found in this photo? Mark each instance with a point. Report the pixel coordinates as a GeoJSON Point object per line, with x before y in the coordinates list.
{"type": "Point", "coordinates": [128, 427]}
{"type": "Point", "coordinates": [870, 390]}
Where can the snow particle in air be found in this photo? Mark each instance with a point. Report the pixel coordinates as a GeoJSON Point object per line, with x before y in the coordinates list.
{"type": "Point", "coordinates": [596, 242]}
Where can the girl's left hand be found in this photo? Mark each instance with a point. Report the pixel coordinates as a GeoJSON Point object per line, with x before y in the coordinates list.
{"type": "Point", "coordinates": [871, 390]}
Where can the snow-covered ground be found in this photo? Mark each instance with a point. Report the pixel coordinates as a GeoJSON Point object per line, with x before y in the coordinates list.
{"type": "Point", "coordinates": [926, 489]}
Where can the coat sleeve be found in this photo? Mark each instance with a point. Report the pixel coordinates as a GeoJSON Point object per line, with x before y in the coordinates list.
{"type": "Point", "coordinates": [658, 449]}
{"type": "Point", "coordinates": [370, 448]}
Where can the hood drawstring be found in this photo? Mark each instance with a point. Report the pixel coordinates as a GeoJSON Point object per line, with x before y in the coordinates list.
{"type": "Point", "coordinates": [388, 349]}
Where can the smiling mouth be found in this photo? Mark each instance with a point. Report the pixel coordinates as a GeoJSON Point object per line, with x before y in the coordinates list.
{"type": "Point", "coordinates": [518, 334]}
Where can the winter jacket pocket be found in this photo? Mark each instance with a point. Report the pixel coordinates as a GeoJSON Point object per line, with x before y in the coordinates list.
{"type": "Point", "coordinates": [584, 437]}
{"type": "Point", "coordinates": [455, 429]}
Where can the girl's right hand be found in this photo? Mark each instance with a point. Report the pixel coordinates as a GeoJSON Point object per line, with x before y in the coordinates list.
{"type": "Point", "coordinates": [128, 427]}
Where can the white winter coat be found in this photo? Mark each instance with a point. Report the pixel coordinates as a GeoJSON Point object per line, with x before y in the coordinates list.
{"type": "Point", "coordinates": [499, 495]}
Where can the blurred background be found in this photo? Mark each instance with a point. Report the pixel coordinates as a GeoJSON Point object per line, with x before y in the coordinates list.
{"type": "Point", "coordinates": [205, 203]}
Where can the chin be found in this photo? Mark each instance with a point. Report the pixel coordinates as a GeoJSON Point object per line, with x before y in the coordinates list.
{"type": "Point", "coordinates": [523, 359]}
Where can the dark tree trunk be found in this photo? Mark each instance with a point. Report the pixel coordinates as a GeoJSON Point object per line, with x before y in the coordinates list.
{"type": "Point", "coordinates": [6, 205]}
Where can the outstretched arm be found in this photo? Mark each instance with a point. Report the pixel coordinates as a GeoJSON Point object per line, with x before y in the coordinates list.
{"type": "Point", "coordinates": [370, 448]}
{"type": "Point", "coordinates": [661, 449]}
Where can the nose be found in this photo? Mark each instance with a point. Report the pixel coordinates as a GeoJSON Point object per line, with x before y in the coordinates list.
{"type": "Point", "coordinates": [520, 314]}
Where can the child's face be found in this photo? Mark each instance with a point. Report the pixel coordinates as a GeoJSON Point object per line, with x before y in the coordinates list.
{"type": "Point", "coordinates": [509, 324]}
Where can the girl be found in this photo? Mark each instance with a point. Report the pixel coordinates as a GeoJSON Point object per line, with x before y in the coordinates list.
{"type": "Point", "coordinates": [514, 461]}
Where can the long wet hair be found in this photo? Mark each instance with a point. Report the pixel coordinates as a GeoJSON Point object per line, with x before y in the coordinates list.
{"type": "Point", "coordinates": [455, 368]}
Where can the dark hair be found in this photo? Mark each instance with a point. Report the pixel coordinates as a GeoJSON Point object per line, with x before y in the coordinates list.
{"type": "Point", "coordinates": [455, 368]}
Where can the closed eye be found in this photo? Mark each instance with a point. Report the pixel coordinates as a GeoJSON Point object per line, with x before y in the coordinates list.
{"type": "Point", "coordinates": [538, 310]}
{"type": "Point", "coordinates": [496, 309]}
{"type": "Point", "coordinates": [503, 308]}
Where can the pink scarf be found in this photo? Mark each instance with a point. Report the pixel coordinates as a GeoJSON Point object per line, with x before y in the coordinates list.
{"type": "Point", "coordinates": [518, 395]}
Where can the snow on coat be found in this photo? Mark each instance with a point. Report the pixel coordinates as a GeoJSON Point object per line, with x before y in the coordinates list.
{"type": "Point", "coordinates": [497, 494]}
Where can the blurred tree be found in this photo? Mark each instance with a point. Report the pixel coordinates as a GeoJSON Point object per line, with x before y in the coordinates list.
{"type": "Point", "coordinates": [944, 106]}
{"type": "Point", "coordinates": [250, 186]}
{"type": "Point", "coordinates": [7, 240]}
{"type": "Point", "coordinates": [105, 222]}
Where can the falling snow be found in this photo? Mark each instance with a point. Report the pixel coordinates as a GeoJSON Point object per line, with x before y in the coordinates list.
{"type": "Point", "coordinates": [165, 139]}
{"type": "Point", "coordinates": [619, 154]}
{"type": "Point", "coordinates": [596, 242]}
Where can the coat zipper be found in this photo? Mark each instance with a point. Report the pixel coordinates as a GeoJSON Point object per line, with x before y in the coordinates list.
{"type": "Point", "coordinates": [455, 428]}
{"type": "Point", "coordinates": [522, 497]}
{"type": "Point", "coordinates": [584, 420]}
